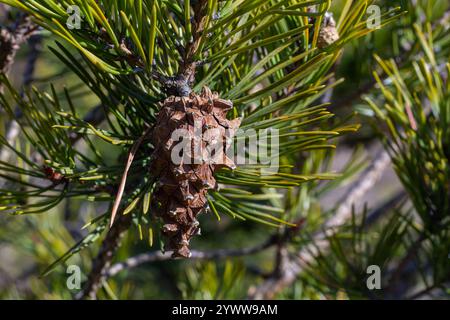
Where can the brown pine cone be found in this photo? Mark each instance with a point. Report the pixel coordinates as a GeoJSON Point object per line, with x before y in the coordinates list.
{"type": "Point", "coordinates": [328, 33]}
{"type": "Point", "coordinates": [180, 194]}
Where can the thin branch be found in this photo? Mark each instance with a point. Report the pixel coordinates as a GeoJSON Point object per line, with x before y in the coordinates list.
{"type": "Point", "coordinates": [426, 291]}
{"type": "Point", "coordinates": [196, 255]}
{"type": "Point", "coordinates": [155, 256]}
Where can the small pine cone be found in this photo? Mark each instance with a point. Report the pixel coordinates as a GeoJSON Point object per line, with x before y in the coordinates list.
{"type": "Point", "coordinates": [328, 32]}
{"type": "Point", "coordinates": [180, 194]}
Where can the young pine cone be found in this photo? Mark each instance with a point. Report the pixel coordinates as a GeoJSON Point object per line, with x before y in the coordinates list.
{"type": "Point", "coordinates": [186, 131]}
{"type": "Point", "coordinates": [328, 32]}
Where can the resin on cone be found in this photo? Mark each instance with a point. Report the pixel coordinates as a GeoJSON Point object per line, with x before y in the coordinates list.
{"type": "Point", "coordinates": [181, 192]}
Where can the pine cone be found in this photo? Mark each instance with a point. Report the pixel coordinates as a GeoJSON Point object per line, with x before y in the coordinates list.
{"type": "Point", "coordinates": [180, 194]}
{"type": "Point", "coordinates": [328, 32]}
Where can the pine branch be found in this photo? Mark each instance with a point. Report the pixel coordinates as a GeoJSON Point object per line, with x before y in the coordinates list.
{"type": "Point", "coordinates": [183, 87]}
{"type": "Point", "coordinates": [294, 266]}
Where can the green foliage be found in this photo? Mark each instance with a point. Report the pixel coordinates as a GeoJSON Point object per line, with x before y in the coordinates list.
{"type": "Point", "coordinates": [206, 282]}
{"type": "Point", "coordinates": [355, 248]}
{"type": "Point", "coordinates": [417, 116]}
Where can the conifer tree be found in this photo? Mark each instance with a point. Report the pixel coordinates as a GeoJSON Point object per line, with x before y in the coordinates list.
{"type": "Point", "coordinates": [187, 130]}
